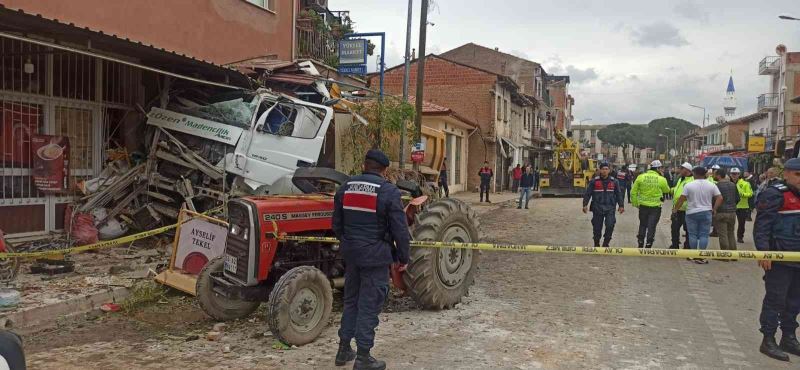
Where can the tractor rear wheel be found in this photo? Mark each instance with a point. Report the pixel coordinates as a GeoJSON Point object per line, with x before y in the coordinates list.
{"type": "Point", "coordinates": [218, 306]}
{"type": "Point", "coordinates": [438, 278]}
{"type": "Point", "coordinates": [300, 305]}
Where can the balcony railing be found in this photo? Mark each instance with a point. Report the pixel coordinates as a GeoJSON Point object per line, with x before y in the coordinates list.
{"type": "Point", "coordinates": [769, 65]}
{"type": "Point", "coordinates": [767, 102]}
{"type": "Point", "coordinates": [315, 45]}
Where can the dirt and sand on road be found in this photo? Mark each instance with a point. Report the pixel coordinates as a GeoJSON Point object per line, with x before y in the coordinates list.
{"type": "Point", "coordinates": [526, 311]}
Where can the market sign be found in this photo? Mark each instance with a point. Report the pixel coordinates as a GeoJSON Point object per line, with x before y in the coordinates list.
{"type": "Point", "coordinates": [50, 162]}
{"type": "Point", "coordinates": [211, 130]}
{"type": "Point", "coordinates": [199, 241]}
{"type": "Point", "coordinates": [418, 152]}
{"type": "Point", "coordinates": [756, 144]}
{"type": "Point", "coordinates": [353, 56]}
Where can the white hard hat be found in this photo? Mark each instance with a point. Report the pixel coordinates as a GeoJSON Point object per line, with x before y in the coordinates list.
{"type": "Point", "coordinates": [715, 167]}
{"type": "Point", "coordinates": [735, 170]}
{"type": "Point", "coordinates": [687, 166]}
{"type": "Point", "coordinates": [655, 164]}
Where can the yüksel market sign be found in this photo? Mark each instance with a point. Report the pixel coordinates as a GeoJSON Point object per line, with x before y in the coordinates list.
{"type": "Point", "coordinates": [194, 126]}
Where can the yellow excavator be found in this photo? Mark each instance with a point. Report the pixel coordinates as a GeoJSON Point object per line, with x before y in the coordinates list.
{"type": "Point", "coordinates": [569, 173]}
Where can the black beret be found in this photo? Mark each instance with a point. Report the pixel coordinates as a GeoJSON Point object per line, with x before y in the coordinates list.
{"type": "Point", "coordinates": [378, 156]}
{"type": "Point", "coordinates": [603, 164]}
{"type": "Point", "coordinates": [792, 164]}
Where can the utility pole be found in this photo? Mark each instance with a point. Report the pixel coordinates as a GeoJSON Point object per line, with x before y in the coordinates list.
{"type": "Point", "coordinates": [423, 25]}
{"type": "Point", "coordinates": [403, 130]}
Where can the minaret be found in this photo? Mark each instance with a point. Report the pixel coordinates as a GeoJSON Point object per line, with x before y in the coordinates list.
{"type": "Point", "coordinates": [729, 103]}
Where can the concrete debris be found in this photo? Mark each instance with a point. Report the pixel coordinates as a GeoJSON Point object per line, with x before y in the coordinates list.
{"type": "Point", "coordinates": [213, 336]}
{"type": "Point", "coordinates": [220, 327]}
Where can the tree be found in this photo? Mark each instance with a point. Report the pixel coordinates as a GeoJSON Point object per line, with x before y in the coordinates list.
{"type": "Point", "coordinates": [618, 134]}
{"type": "Point", "coordinates": [644, 136]}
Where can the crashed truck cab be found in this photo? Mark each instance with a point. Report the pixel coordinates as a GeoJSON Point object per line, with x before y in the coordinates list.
{"type": "Point", "coordinates": [259, 139]}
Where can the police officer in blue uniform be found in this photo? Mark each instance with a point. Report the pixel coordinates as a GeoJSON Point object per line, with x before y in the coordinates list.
{"type": "Point", "coordinates": [777, 228]}
{"type": "Point", "coordinates": [368, 218]}
{"type": "Point", "coordinates": [606, 194]}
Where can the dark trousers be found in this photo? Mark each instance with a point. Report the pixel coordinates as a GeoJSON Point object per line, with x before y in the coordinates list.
{"type": "Point", "coordinates": [536, 183]}
{"type": "Point", "coordinates": [741, 219]}
{"type": "Point", "coordinates": [678, 222]}
{"type": "Point", "coordinates": [648, 219]}
{"type": "Point", "coordinates": [600, 218]}
{"type": "Point", "coordinates": [515, 185]}
{"type": "Point", "coordinates": [365, 290]}
{"type": "Point", "coordinates": [781, 300]}
{"type": "Point", "coordinates": [628, 188]}
{"type": "Point", "coordinates": [485, 190]}
{"type": "Point", "coordinates": [443, 186]}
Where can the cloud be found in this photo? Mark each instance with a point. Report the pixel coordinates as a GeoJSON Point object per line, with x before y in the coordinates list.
{"type": "Point", "coordinates": [578, 76]}
{"type": "Point", "coordinates": [553, 66]}
{"type": "Point", "coordinates": [691, 9]}
{"type": "Point", "coordinates": [657, 34]}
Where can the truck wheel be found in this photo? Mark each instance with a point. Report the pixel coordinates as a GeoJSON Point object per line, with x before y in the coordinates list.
{"type": "Point", "coordinates": [439, 277]}
{"type": "Point", "coordinates": [300, 305]}
{"type": "Point", "coordinates": [216, 305]}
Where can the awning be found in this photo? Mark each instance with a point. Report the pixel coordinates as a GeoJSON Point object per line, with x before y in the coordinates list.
{"type": "Point", "coordinates": [15, 23]}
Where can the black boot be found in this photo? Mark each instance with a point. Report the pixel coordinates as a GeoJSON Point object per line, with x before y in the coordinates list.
{"type": "Point", "coordinates": [649, 245]}
{"type": "Point", "coordinates": [606, 243]}
{"type": "Point", "coordinates": [597, 242]}
{"type": "Point", "coordinates": [344, 355]}
{"type": "Point", "coordinates": [366, 362]}
{"type": "Point", "coordinates": [790, 344]}
{"type": "Point", "coordinates": [771, 349]}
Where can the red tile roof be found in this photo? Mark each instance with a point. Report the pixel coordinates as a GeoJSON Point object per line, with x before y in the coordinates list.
{"type": "Point", "coordinates": [433, 109]}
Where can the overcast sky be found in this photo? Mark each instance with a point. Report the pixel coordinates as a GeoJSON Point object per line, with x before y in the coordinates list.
{"type": "Point", "coordinates": [630, 60]}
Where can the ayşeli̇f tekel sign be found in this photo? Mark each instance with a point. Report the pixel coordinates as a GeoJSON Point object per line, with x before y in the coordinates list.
{"type": "Point", "coordinates": [50, 156]}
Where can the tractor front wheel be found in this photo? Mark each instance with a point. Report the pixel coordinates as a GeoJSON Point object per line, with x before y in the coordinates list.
{"type": "Point", "coordinates": [218, 306]}
{"type": "Point", "coordinates": [438, 278]}
{"type": "Point", "coordinates": [300, 305]}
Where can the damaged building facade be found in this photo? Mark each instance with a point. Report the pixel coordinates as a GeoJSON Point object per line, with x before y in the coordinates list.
{"type": "Point", "coordinates": [75, 90]}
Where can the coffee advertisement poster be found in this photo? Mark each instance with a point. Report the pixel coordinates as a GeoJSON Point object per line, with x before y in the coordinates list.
{"type": "Point", "coordinates": [50, 162]}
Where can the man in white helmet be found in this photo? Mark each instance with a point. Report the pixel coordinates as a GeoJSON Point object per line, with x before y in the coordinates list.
{"type": "Point", "coordinates": [743, 207]}
{"type": "Point", "coordinates": [647, 194]}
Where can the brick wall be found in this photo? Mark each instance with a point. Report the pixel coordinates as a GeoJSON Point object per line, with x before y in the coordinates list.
{"type": "Point", "coordinates": [521, 70]}
{"type": "Point", "coordinates": [466, 91]}
{"type": "Point", "coordinates": [558, 95]}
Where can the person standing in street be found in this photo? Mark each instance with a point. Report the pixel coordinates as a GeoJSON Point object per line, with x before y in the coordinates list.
{"type": "Point", "coordinates": [743, 207]}
{"type": "Point", "coordinates": [368, 217]}
{"type": "Point", "coordinates": [725, 219]}
{"type": "Point", "coordinates": [516, 176]}
{"type": "Point", "coordinates": [605, 195]}
{"type": "Point", "coordinates": [443, 179]}
{"type": "Point", "coordinates": [536, 176]}
{"type": "Point", "coordinates": [777, 228]}
{"type": "Point", "coordinates": [748, 176]}
{"type": "Point", "coordinates": [647, 193]}
{"type": "Point", "coordinates": [486, 174]}
{"type": "Point", "coordinates": [679, 218]}
{"type": "Point", "coordinates": [624, 179]}
{"type": "Point", "coordinates": [704, 199]}
{"type": "Point", "coordinates": [525, 185]}
{"type": "Point", "coordinates": [670, 176]}
{"type": "Point", "coordinates": [770, 178]}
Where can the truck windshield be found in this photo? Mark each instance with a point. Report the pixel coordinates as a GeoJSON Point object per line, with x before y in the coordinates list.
{"type": "Point", "coordinates": [237, 112]}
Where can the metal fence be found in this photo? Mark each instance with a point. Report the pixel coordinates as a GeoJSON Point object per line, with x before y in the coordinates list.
{"type": "Point", "coordinates": [315, 45]}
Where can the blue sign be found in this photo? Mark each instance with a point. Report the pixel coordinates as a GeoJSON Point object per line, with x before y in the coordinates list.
{"type": "Point", "coordinates": [726, 162]}
{"type": "Point", "coordinates": [353, 69]}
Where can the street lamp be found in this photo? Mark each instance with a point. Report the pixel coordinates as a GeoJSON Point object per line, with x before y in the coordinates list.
{"type": "Point", "coordinates": [788, 18]}
{"type": "Point", "coordinates": [704, 112]}
{"type": "Point", "coordinates": [675, 139]}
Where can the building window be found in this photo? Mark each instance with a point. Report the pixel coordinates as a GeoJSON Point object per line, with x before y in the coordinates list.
{"type": "Point", "coordinates": [266, 4]}
{"type": "Point", "coordinates": [505, 110]}
{"type": "Point", "coordinates": [499, 109]}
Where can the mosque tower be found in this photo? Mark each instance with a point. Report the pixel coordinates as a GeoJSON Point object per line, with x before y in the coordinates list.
{"type": "Point", "coordinates": [729, 103]}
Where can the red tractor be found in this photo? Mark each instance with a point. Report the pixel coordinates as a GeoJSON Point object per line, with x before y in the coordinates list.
{"type": "Point", "coordinates": [296, 278]}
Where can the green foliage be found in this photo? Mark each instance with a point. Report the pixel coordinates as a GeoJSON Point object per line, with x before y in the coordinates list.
{"type": "Point", "coordinates": [386, 120]}
{"type": "Point", "coordinates": [645, 136]}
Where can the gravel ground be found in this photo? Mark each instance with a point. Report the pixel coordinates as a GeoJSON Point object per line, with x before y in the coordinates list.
{"type": "Point", "coordinates": [525, 311]}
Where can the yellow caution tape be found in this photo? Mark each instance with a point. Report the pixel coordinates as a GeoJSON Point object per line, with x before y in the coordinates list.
{"type": "Point", "coordinates": [602, 251]}
{"type": "Point", "coordinates": [106, 243]}
{"type": "Point", "coordinates": [88, 247]}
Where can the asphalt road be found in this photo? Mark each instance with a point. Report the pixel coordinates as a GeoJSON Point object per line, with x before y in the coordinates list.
{"type": "Point", "coordinates": [526, 311]}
